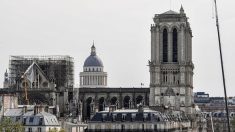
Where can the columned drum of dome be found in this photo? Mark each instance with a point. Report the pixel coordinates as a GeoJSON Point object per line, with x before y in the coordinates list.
{"type": "Point", "coordinates": [93, 74]}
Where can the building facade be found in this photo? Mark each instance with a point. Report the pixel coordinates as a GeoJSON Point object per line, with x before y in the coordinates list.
{"type": "Point", "coordinates": [138, 120]}
{"type": "Point", "coordinates": [217, 121]}
{"type": "Point", "coordinates": [201, 98]}
{"type": "Point", "coordinates": [36, 120]}
{"type": "Point", "coordinates": [213, 109]}
{"type": "Point", "coordinates": [171, 67]}
{"type": "Point", "coordinates": [93, 100]}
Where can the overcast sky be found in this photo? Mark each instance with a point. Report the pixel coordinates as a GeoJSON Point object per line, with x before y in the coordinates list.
{"type": "Point", "coordinates": [121, 31]}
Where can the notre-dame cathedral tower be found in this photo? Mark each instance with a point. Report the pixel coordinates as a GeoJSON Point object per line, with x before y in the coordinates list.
{"type": "Point", "coordinates": [171, 67]}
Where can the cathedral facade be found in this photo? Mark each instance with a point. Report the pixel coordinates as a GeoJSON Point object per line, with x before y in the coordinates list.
{"type": "Point", "coordinates": [171, 73]}
{"type": "Point", "coordinates": [171, 76]}
{"type": "Point", "coordinates": [171, 67]}
{"type": "Point", "coordinates": [171, 84]}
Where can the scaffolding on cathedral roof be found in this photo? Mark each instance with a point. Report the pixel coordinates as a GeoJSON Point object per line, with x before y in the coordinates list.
{"type": "Point", "coordinates": [59, 68]}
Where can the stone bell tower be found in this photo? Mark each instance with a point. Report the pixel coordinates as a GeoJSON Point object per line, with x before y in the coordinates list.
{"type": "Point", "coordinates": [171, 67]}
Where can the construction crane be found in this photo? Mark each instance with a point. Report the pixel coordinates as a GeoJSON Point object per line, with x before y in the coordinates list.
{"type": "Point", "coordinates": [222, 64]}
{"type": "Point", "coordinates": [28, 76]}
{"type": "Point", "coordinates": [26, 90]}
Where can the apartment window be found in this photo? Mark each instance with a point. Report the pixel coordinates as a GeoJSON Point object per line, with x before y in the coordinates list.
{"type": "Point", "coordinates": [24, 120]}
{"type": "Point", "coordinates": [17, 118]}
{"type": "Point", "coordinates": [31, 119]}
{"type": "Point", "coordinates": [39, 129]}
{"type": "Point", "coordinates": [40, 121]}
{"type": "Point", "coordinates": [155, 127]}
{"type": "Point", "coordinates": [123, 128]}
{"type": "Point", "coordinates": [123, 117]}
{"type": "Point", "coordinates": [142, 127]}
{"type": "Point", "coordinates": [30, 129]}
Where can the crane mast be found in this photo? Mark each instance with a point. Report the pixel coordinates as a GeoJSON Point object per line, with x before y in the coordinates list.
{"type": "Point", "coordinates": [222, 64]}
{"type": "Point", "coordinates": [26, 91]}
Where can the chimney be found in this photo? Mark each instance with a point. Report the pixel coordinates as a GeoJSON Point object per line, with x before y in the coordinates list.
{"type": "Point", "coordinates": [46, 108]}
{"type": "Point", "coordinates": [24, 109]}
{"type": "Point", "coordinates": [40, 108]}
{"type": "Point", "coordinates": [35, 110]}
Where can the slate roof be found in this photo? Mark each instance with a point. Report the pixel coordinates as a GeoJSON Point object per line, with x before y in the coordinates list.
{"type": "Point", "coordinates": [41, 118]}
{"type": "Point", "coordinates": [13, 112]}
{"type": "Point", "coordinates": [132, 115]}
{"type": "Point", "coordinates": [93, 60]}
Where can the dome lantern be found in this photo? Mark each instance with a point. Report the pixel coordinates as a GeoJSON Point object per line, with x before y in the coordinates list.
{"type": "Point", "coordinates": [93, 52]}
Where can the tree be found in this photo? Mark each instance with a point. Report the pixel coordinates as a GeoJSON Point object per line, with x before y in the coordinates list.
{"type": "Point", "coordinates": [56, 130]}
{"type": "Point", "coordinates": [7, 125]}
{"type": "Point", "coordinates": [233, 124]}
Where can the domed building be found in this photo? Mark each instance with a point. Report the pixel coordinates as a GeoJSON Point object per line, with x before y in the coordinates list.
{"type": "Point", "coordinates": [93, 74]}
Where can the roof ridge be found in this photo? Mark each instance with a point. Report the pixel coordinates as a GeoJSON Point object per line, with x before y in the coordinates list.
{"type": "Point", "coordinates": [170, 12]}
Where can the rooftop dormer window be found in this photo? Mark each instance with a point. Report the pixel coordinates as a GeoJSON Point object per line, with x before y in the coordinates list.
{"type": "Point", "coordinates": [123, 117]}
{"type": "Point", "coordinates": [31, 119]}
{"type": "Point", "coordinates": [40, 121]}
{"type": "Point", "coordinates": [24, 120]}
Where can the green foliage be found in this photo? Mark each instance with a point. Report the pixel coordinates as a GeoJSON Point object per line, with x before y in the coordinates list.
{"type": "Point", "coordinates": [56, 130]}
{"type": "Point", "coordinates": [7, 125]}
{"type": "Point", "coordinates": [233, 124]}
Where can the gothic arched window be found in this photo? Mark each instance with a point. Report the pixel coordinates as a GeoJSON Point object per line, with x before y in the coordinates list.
{"type": "Point", "coordinates": [175, 45]}
{"type": "Point", "coordinates": [165, 46]}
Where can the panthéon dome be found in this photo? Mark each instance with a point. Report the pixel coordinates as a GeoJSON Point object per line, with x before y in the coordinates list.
{"type": "Point", "coordinates": [93, 60]}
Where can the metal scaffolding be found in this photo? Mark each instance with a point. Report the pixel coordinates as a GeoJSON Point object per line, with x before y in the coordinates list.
{"type": "Point", "coordinates": [58, 68]}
